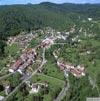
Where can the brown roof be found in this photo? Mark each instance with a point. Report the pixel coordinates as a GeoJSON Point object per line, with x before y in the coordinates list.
{"type": "Point", "coordinates": [17, 64]}
{"type": "Point", "coordinates": [62, 66]}
{"type": "Point", "coordinates": [47, 42]}
{"type": "Point", "coordinates": [75, 72]}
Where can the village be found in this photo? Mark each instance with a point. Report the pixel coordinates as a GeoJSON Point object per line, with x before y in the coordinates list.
{"type": "Point", "coordinates": [30, 56]}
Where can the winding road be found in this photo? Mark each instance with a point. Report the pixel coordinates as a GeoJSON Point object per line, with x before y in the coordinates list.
{"type": "Point", "coordinates": [63, 91]}
{"type": "Point", "coordinates": [43, 62]}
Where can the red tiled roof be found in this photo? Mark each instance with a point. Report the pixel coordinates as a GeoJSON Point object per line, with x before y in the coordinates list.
{"type": "Point", "coordinates": [62, 66]}
{"type": "Point", "coordinates": [47, 42]}
{"type": "Point", "coordinates": [17, 64]}
{"type": "Point", "coordinates": [75, 72]}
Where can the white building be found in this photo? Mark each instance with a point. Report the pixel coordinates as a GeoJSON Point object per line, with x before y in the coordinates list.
{"type": "Point", "coordinates": [1, 98]}
{"type": "Point", "coordinates": [90, 19]}
{"type": "Point", "coordinates": [35, 89]}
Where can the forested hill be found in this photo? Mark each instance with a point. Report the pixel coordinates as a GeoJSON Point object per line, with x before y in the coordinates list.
{"type": "Point", "coordinates": [15, 18]}
{"type": "Point", "coordinates": [26, 17]}
{"type": "Point", "coordinates": [86, 9]}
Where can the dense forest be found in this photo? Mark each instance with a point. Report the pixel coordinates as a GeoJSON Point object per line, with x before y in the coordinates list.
{"type": "Point", "coordinates": [17, 18]}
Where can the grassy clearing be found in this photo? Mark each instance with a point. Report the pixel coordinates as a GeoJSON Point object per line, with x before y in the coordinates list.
{"type": "Point", "coordinates": [52, 81]}
{"type": "Point", "coordinates": [55, 85]}
{"type": "Point", "coordinates": [51, 69]}
{"type": "Point", "coordinates": [13, 50]}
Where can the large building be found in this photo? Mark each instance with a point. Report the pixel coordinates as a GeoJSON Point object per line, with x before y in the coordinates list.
{"type": "Point", "coordinates": [47, 42]}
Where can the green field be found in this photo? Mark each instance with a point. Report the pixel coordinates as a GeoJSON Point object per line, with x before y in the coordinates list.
{"type": "Point", "coordinates": [13, 50]}
{"type": "Point", "coordinates": [55, 85]}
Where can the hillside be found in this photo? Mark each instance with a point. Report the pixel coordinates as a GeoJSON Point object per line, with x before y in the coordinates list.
{"type": "Point", "coordinates": [16, 18]}
{"type": "Point", "coordinates": [49, 52]}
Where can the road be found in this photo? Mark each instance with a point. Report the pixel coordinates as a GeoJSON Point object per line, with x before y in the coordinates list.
{"type": "Point", "coordinates": [59, 43]}
{"type": "Point", "coordinates": [43, 62]}
{"type": "Point", "coordinates": [63, 91]}
{"type": "Point", "coordinates": [65, 88]}
{"type": "Point", "coordinates": [5, 99]}
{"type": "Point", "coordinates": [4, 68]}
{"type": "Point", "coordinates": [43, 55]}
{"type": "Point", "coordinates": [24, 81]}
{"type": "Point", "coordinates": [5, 76]}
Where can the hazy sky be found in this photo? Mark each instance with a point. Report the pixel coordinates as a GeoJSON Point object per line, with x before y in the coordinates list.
{"type": "Point", "coordinates": [4, 2]}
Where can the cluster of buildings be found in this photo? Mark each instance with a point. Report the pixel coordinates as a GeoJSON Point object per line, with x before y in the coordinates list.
{"type": "Point", "coordinates": [50, 40]}
{"type": "Point", "coordinates": [25, 60]}
{"type": "Point", "coordinates": [11, 40]}
{"type": "Point", "coordinates": [47, 42]}
{"type": "Point", "coordinates": [77, 71]}
{"type": "Point", "coordinates": [35, 87]}
{"type": "Point", "coordinates": [63, 35]}
{"type": "Point", "coordinates": [24, 40]}
{"type": "Point", "coordinates": [28, 57]}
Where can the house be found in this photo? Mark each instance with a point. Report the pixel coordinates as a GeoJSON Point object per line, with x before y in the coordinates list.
{"type": "Point", "coordinates": [81, 69]}
{"type": "Point", "coordinates": [63, 37]}
{"type": "Point", "coordinates": [72, 30]}
{"type": "Point", "coordinates": [1, 98]}
{"type": "Point", "coordinates": [90, 19]}
{"type": "Point", "coordinates": [24, 57]}
{"type": "Point", "coordinates": [16, 65]}
{"type": "Point", "coordinates": [88, 52]}
{"type": "Point", "coordinates": [67, 33]}
{"type": "Point", "coordinates": [35, 88]}
{"type": "Point", "coordinates": [79, 40]}
{"type": "Point", "coordinates": [61, 65]}
{"type": "Point", "coordinates": [22, 67]}
{"type": "Point", "coordinates": [68, 66]}
{"type": "Point", "coordinates": [47, 42]}
{"type": "Point", "coordinates": [78, 71]}
{"type": "Point", "coordinates": [75, 72]}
